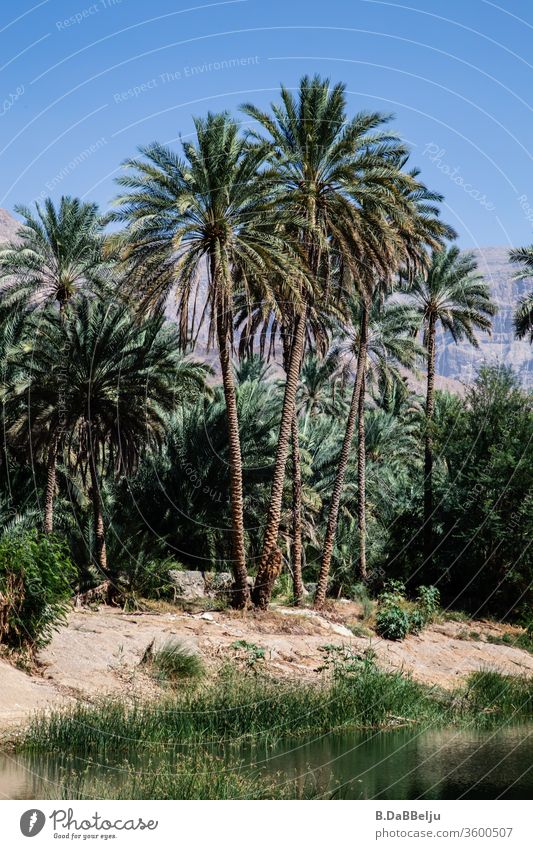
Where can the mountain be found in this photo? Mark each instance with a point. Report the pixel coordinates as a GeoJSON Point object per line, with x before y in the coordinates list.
{"type": "Point", "coordinates": [456, 364]}
{"type": "Point", "coordinates": [8, 226]}
{"type": "Point", "coordinates": [462, 361]}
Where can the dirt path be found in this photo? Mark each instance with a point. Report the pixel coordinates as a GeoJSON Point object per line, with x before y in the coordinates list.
{"type": "Point", "coordinates": [100, 652]}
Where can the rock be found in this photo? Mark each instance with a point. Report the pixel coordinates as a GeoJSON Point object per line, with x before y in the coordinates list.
{"type": "Point", "coordinates": [218, 583]}
{"type": "Point", "coordinates": [311, 588]}
{"type": "Point", "coordinates": [207, 616]}
{"type": "Point", "coordinates": [188, 584]}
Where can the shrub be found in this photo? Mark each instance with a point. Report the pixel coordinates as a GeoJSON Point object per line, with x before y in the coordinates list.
{"type": "Point", "coordinates": [174, 661]}
{"type": "Point", "coordinates": [417, 620]}
{"type": "Point", "coordinates": [392, 621]}
{"type": "Point", "coordinates": [396, 617]}
{"type": "Point", "coordinates": [36, 575]}
{"type": "Point", "coordinates": [252, 653]}
{"type": "Point", "coordinates": [428, 600]}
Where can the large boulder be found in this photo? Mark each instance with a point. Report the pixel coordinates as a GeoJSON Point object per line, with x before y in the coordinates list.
{"type": "Point", "coordinates": [188, 584]}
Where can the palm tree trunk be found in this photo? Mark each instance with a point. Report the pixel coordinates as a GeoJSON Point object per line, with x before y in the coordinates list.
{"type": "Point", "coordinates": [329, 539]}
{"type": "Point", "coordinates": [51, 466]}
{"type": "Point", "coordinates": [298, 587]}
{"type": "Point", "coordinates": [361, 482]}
{"type": "Point", "coordinates": [270, 562]}
{"type": "Point", "coordinates": [241, 593]}
{"type": "Point", "coordinates": [428, 448]}
{"type": "Point", "coordinates": [99, 530]}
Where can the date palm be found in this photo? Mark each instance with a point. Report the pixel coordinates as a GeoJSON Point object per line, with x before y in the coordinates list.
{"type": "Point", "coordinates": [105, 381]}
{"type": "Point", "coordinates": [418, 229]}
{"type": "Point", "coordinates": [453, 296]}
{"type": "Point", "coordinates": [523, 317]}
{"type": "Point", "coordinates": [341, 178]}
{"type": "Point", "coordinates": [58, 253]}
{"type": "Point", "coordinates": [390, 343]}
{"type": "Point", "coordinates": [209, 209]}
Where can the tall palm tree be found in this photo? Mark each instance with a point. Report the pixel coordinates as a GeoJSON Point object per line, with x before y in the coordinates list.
{"type": "Point", "coordinates": [453, 296]}
{"type": "Point", "coordinates": [267, 323]}
{"type": "Point", "coordinates": [390, 343]}
{"type": "Point", "coordinates": [210, 209]}
{"type": "Point", "coordinates": [340, 178]}
{"type": "Point", "coordinates": [414, 232]}
{"type": "Point", "coordinates": [108, 391]}
{"type": "Point", "coordinates": [523, 317]}
{"type": "Point", "coordinates": [58, 254]}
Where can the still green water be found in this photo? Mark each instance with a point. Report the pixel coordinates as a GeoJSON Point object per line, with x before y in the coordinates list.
{"type": "Point", "coordinates": [402, 764]}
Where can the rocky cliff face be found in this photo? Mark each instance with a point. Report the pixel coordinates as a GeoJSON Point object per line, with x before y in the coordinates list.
{"type": "Point", "coordinates": [462, 361]}
{"type": "Point", "coordinates": [8, 226]}
{"type": "Point", "coordinates": [457, 362]}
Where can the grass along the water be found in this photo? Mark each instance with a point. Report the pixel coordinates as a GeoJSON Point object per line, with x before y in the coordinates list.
{"type": "Point", "coordinates": [240, 708]}
{"type": "Point", "coordinates": [235, 709]}
{"type": "Point", "coordinates": [187, 745]}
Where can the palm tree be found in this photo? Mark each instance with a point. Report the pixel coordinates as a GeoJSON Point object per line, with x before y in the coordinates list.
{"type": "Point", "coordinates": [451, 294]}
{"type": "Point", "coordinates": [58, 253]}
{"type": "Point", "coordinates": [210, 208]}
{"type": "Point", "coordinates": [390, 343]}
{"type": "Point", "coordinates": [418, 229]}
{"type": "Point", "coordinates": [107, 392]}
{"type": "Point", "coordinates": [523, 317]}
{"type": "Point", "coordinates": [340, 179]}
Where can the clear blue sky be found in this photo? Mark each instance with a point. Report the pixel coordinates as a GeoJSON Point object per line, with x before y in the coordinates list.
{"type": "Point", "coordinates": [84, 83]}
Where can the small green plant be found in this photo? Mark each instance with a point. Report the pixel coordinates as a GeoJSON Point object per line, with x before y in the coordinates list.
{"type": "Point", "coordinates": [392, 621]}
{"type": "Point", "coordinates": [343, 662]}
{"type": "Point", "coordinates": [392, 617]}
{"type": "Point", "coordinates": [428, 601]}
{"type": "Point", "coordinates": [252, 653]}
{"type": "Point", "coordinates": [174, 662]}
{"type": "Point", "coordinates": [36, 576]}
{"type": "Point", "coordinates": [417, 620]}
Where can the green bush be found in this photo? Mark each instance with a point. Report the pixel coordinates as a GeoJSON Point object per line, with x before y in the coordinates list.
{"type": "Point", "coordinates": [417, 621]}
{"type": "Point", "coordinates": [36, 577]}
{"type": "Point", "coordinates": [392, 621]}
{"type": "Point", "coordinates": [428, 601]}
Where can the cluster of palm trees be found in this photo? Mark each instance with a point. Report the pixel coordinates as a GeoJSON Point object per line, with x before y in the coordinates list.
{"type": "Point", "coordinates": [308, 239]}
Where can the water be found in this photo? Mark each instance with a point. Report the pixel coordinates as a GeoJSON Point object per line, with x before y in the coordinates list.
{"type": "Point", "coordinates": [402, 764]}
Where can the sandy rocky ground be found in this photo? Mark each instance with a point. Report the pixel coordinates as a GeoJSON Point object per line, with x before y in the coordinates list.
{"type": "Point", "coordinates": [100, 652]}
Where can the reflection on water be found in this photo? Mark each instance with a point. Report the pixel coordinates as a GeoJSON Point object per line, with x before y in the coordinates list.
{"type": "Point", "coordinates": [408, 764]}
{"type": "Point", "coordinates": [401, 764]}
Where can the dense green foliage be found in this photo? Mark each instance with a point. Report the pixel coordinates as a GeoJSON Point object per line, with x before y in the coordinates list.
{"type": "Point", "coordinates": [36, 578]}
{"type": "Point", "coordinates": [483, 500]}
